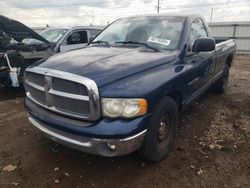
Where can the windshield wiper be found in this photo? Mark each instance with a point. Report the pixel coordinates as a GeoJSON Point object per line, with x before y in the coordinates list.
{"type": "Point", "coordinates": [101, 42]}
{"type": "Point", "coordinates": [139, 43]}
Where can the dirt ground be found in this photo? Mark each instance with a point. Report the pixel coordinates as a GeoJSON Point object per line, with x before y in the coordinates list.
{"type": "Point", "coordinates": [212, 148]}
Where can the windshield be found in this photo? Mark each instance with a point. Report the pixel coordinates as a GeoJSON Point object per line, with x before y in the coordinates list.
{"type": "Point", "coordinates": [51, 35]}
{"type": "Point", "coordinates": [161, 33]}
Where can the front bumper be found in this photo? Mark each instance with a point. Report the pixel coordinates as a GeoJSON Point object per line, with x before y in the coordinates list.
{"type": "Point", "coordinates": [103, 147]}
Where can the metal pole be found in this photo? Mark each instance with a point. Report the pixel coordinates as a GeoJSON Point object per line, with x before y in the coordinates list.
{"type": "Point", "coordinates": [211, 16]}
{"type": "Point", "coordinates": [158, 7]}
{"type": "Point", "coordinates": [234, 32]}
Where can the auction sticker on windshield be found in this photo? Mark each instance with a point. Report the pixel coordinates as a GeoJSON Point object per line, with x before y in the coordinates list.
{"type": "Point", "coordinates": [159, 40]}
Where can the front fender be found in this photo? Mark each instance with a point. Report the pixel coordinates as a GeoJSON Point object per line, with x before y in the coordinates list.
{"type": "Point", "coordinates": [152, 84]}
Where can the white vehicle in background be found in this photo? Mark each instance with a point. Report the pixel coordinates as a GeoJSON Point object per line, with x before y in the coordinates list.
{"type": "Point", "coordinates": [20, 46]}
{"type": "Point", "coordinates": [65, 39]}
{"type": "Point", "coordinates": [76, 37]}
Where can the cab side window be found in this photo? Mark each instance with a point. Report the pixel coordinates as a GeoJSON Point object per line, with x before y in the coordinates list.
{"type": "Point", "coordinates": [198, 30]}
{"type": "Point", "coordinates": [77, 37]}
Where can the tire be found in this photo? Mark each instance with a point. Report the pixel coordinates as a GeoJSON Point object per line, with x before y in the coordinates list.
{"type": "Point", "coordinates": [161, 131]}
{"type": "Point", "coordinates": [220, 85]}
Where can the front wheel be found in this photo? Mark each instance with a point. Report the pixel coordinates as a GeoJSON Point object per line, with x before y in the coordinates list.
{"type": "Point", "coordinates": [161, 131]}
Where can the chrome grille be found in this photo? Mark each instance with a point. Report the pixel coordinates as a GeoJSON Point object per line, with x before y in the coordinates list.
{"type": "Point", "coordinates": [71, 106]}
{"type": "Point", "coordinates": [36, 78]}
{"type": "Point", "coordinates": [63, 93]}
{"type": "Point", "coordinates": [36, 94]}
{"type": "Point", "coordinates": [69, 86]}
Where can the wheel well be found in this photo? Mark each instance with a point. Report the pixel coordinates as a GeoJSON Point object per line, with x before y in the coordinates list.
{"type": "Point", "coordinates": [177, 96]}
{"type": "Point", "coordinates": [229, 60]}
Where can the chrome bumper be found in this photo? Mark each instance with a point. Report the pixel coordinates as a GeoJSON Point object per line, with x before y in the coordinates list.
{"type": "Point", "coordinates": [103, 147]}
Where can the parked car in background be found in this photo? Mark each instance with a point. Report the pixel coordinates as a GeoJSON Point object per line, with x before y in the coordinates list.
{"type": "Point", "coordinates": [124, 91]}
{"type": "Point", "coordinates": [76, 37]}
{"type": "Point", "coordinates": [20, 46]}
{"type": "Point", "coordinates": [66, 39]}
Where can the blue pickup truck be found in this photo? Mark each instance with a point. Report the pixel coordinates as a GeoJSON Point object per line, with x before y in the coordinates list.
{"type": "Point", "coordinates": [123, 92]}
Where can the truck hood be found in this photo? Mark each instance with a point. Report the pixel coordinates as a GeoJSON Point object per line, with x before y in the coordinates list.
{"type": "Point", "coordinates": [18, 31]}
{"type": "Point", "coordinates": [107, 64]}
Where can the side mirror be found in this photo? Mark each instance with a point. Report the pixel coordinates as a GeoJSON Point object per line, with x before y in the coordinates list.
{"type": "Point", "coordinates": [204, 45]}
{"type": "Point", "coordinates": [69, 41]}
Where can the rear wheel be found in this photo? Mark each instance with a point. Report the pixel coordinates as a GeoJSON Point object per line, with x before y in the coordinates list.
{"type": "Point", "coordinates": [220, 85]}
{"type": "Point", "coordinates": [161, 131]}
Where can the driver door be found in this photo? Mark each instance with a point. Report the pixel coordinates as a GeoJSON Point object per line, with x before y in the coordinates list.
{"type": "Point", "coordinates": [202, 64]}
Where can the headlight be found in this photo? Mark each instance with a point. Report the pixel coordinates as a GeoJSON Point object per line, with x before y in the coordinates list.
{"type": "Point", "coordinates": [127, 108]}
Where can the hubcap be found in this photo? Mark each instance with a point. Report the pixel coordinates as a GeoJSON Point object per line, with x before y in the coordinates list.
{"type": "Point", "coordinates": [164, 129]}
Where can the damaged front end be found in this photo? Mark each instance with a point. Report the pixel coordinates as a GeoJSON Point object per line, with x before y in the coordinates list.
{"type": "Point", "coordinates": [15, 54]}
{"type": "Point", "coordinates": [10, 65]}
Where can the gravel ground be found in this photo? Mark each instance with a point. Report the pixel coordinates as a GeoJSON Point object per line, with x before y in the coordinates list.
{"type": "Point", "coordinates": [212, 148]}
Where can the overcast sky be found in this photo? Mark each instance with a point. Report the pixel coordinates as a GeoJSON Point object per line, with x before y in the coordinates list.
{"type": "Point", "coordinates": [99, 12]}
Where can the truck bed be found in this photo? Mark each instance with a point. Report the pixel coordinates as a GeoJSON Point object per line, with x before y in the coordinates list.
{"type": "Point", "coordinates": [222, 40]}
{"type": "Point", "coordinates": [225, 47]}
